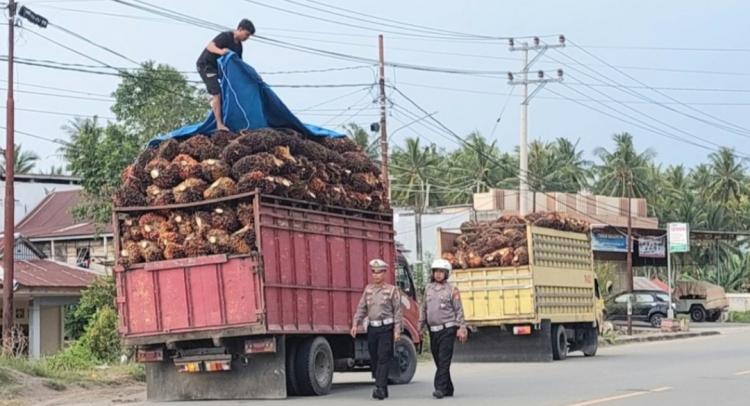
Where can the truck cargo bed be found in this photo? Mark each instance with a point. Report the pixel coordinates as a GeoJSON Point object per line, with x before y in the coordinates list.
{"type": "Point", "coordinates": [307, 276]}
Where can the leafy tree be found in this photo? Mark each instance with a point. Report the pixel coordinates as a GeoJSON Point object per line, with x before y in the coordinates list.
{"type": "Point", "coordinates": [156, 99]}
{"type": "Point", "coordinates": [100, 294]}
{"type": "Point", "coordinates": [727, 179]}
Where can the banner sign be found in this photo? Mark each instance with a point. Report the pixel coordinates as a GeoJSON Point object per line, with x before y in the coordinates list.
{"type": "Point", "coordinates": [679, 237]}
{"type": "Point", "coordinates": [609, 242]}
{"type": "Point", "coordinates": [652, 247]}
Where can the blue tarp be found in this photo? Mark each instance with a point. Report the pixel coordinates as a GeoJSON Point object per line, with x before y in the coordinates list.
{"type": "Point", "coordinates": [247, 103]}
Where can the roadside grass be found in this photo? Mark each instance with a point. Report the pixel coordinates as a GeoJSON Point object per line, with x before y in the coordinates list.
{"type": "Point", "coordinates": [739, 317]}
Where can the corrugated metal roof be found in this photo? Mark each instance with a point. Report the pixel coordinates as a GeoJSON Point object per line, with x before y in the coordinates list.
{"type": "Point", "coordinates": [53, 218]}
{"type": "Point", "coordinates": [643, 283]}
{"type": "Point", "coordinates": [29, 193]}
{"type": "Point", "coordinates": [52, 274]}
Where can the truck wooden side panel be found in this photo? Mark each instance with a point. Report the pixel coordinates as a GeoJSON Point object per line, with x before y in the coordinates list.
{"type": "Point", "coordinates": [316, 266]}
{"type": "Point", "coordinates": [557, 285]}
{"type": "Point", "coordinates": [308, 278]}
{"type": "Point", "coordinates": [186, 295]}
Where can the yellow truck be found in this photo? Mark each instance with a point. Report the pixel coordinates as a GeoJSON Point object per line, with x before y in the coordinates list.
{"type": "Point", "coordinates": [535, 312]}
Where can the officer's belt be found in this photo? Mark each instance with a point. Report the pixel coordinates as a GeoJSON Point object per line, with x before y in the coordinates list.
{"type": "Point", "coordinates": [440, 327]}
{"type": "Point", "coordinates": [380, 323]}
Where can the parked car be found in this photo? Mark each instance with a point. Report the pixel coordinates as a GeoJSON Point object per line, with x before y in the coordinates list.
{"type": "Point", "coordinates": [648, 306]}
{"type": "Point", "coordinates": [703, 301]}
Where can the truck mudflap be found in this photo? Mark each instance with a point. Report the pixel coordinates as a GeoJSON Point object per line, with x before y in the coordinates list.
{"type": "Point", "coordinates": [255, 376]}
{"type": "Point", "coordinates": [496, 344]}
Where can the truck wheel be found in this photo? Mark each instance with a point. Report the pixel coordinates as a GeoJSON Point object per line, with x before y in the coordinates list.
{"type": "Point", "coordinates": [314, 367]}
{"type": "Point", "coordinates": [697, 314]}
{"type": "Point", "coordinates": [656, 320]}
{"type": "Point", "coordinates": [404, 363]}
{"type": "Point", "coordinates": [292, 389]}
{"type": "Point", "coordinates": [715, 315]}
{"type": "Point", "coordinates": [590, 341]}
{"type": "Point", "coordinates": [559, 343]}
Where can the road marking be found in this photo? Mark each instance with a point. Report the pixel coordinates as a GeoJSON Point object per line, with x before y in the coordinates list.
{"type": "Point", "coordinates": [740, 373]}
{"type": "Point", "coordinates": [619, 397]}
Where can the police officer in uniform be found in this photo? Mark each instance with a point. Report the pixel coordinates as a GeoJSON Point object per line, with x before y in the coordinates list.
{"type": "Point", "coordinates": [381, 304]}
{"type": "Point", "coordinates": [442, 313]}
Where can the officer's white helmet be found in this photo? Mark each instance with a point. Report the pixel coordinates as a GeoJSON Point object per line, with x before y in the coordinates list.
{"type": "Point", "coordinates": [441, 265]}
{"type": "Point", "coordinates": [378, 265]}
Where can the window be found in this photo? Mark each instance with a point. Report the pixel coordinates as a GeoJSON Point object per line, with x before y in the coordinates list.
{"type": "Point", "coordinates": [83, 257]}
{"type": "Point", "coordinates": [402, 278]}
{"type": "Point", "coordinates": [663, 297]}
{"type": "Point", "coordinates": [622, 299]}
{"type": "Point", "coordinates": [644, 298]}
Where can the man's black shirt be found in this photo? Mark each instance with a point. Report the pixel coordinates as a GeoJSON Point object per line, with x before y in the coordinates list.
{"type": "Point", "coordinates": [208, 61]}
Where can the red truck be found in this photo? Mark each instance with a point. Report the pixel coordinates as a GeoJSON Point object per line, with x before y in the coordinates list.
{"type": "Point", "coordinates": [267, 325]}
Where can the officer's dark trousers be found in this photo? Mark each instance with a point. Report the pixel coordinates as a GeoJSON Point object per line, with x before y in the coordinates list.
{"type": "Point", "coordinates": [441, 346]}
{"type": "Point", "coordinates": [380, 344]}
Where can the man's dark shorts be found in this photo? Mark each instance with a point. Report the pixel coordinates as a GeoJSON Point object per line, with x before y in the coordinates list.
{"type": "Point", "coordinates": [211, 79]}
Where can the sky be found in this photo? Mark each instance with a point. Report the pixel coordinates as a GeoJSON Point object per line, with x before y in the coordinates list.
{"type": "Point", "coordinates": [693, 52]}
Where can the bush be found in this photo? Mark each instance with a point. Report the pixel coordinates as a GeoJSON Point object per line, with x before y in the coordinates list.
{"type": "Point", "coordinates": [739, 317]}
{"type": "Point", "coordinates": [75, 358]}
{"type": "Point", "coordinates": [100, 294]}
{"type": "Point", "coordinates": [101, 337]}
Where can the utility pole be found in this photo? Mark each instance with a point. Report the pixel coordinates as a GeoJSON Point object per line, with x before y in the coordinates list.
{"type": "Point", "coordinates": [383, 133]}
{"type": "Point", "coordinates": [10, 198]}
{"type": "Point", "coordinates": [629, 244]}
{"type": "Point", "coordinates": [9, 240]}
{"type": "Point", "coordinates": [540, 48]}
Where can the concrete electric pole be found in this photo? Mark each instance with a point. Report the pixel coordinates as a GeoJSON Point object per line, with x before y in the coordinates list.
{"type": "Point", "coordinates": [10, 199]}
{"type": "Point", "coordinates": [540, 48]}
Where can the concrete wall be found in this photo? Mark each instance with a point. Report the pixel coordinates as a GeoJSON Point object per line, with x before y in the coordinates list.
{"type": "Point", "coordinates": [739, 302]}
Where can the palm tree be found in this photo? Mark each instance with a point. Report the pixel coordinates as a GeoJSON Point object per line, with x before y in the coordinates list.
{"type": "Point", "coordinates": [574, 171]}
{"type": "Point", "coordinates": [624, 171]}
{"type": "Point", "coordinates": [414, 170]}
{"type": "Point", "coordinates": [700, 178]}
{"type": "Point", "coordinates": [478, 166]}
{"type": "Point", "coordinates": [362, 138]}
{"type": "Point", "coordinates": [23, 161]}
{"type": "Point", "coordinates": [727, 176]}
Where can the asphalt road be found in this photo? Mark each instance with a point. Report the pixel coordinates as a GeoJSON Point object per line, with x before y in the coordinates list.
{"type": "Point", "coordinates": [711, 370]}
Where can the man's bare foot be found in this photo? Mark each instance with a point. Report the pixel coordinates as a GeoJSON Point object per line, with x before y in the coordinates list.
{"type": "Point", "coordinates": [221, 127]}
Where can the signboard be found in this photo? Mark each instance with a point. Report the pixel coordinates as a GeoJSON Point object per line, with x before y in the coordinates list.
{"type": "Point", "coordinates": [609, 242]}
{"type": "Point", "coordinates": [679, 237]}
{"type": "Point", "coordinates": [652, 247]}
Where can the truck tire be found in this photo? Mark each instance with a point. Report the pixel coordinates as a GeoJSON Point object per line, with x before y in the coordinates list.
{"type": "Point", "coordinates": [404, 363]}
{"type": "Point", "coordinates": [590, 341]}
{"type": "Point", "coordinates": [292, 389]}
{"type": "Point", "coordinates": [714, 316]}
{"type": "Point", "coordinates": [314, 367]}
{"type": "Point", "coordinates": [697, 314]}
{"type": "Point", "coordinates": [559, 342]}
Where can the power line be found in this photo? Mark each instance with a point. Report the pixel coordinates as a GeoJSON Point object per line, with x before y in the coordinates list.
{"type": "Point", "coordinates": [677, 49]}
{"type": "Point", "coordinates": [724, 127]}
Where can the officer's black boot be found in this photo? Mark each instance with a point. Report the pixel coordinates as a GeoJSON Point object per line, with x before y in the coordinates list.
{"type": "Point", "coordinates": [378, 393]}
{"type": "Point", "coordinates": [385, 390]}
{"type": "Point", "coordinates": [438, 394]}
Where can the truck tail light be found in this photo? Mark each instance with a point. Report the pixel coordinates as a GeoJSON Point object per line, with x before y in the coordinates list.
{"type": "Point", "coordinates": [521, 330]}
{"type": "Point", "coordinates": [189, 367]}
{"type": "Point", "coordinates": [216, 366]}
{"type": "Point", "coordinates": [149, 355]}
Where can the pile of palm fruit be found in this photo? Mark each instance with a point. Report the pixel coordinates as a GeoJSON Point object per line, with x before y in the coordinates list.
{"type": "Point", "coordinates": [281, 162]}
{"type": "Point", "coordinates": [503, 242]}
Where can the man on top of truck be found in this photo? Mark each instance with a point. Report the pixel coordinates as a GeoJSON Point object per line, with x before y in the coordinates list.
{"type": "Point", "coordinates": [381, 303]}
{"type": "Point", "coordinates": [442, 312]}
{"type": "Point", "coordinates": [208, 66]}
